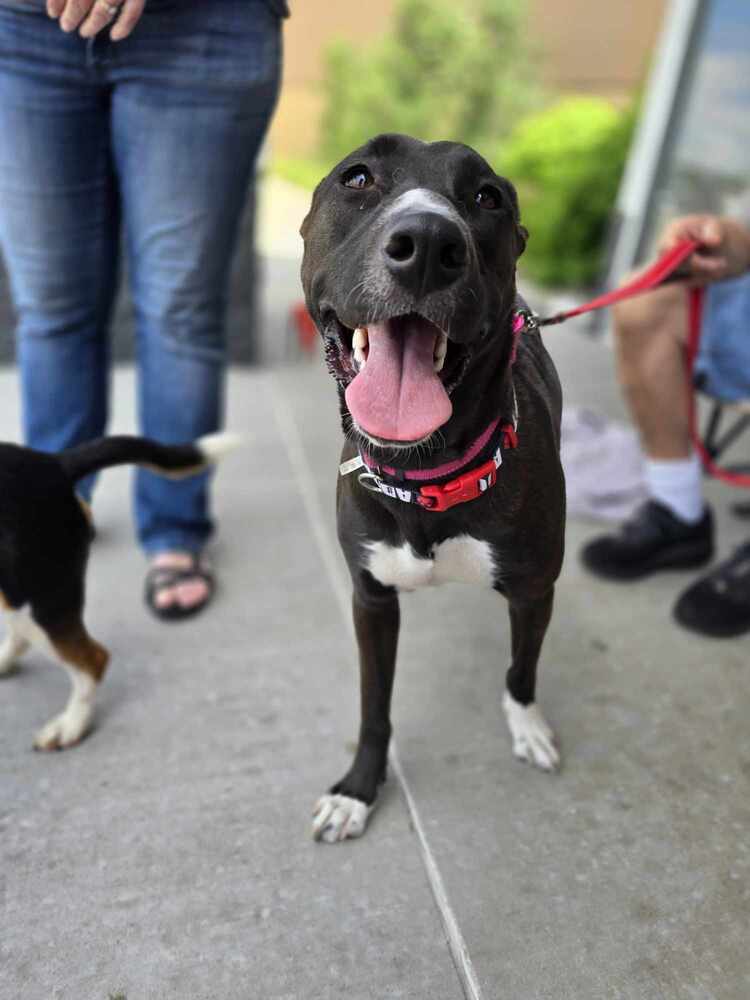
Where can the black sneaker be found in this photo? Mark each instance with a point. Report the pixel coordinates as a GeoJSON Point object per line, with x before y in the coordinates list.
{"type": "Point", "coordinates": [651, 540]}
{"type": "Point", "coordinates": [719, 603]}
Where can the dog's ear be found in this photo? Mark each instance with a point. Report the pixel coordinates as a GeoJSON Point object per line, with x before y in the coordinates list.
{"type": "Point", "coordinates": [522, 234]}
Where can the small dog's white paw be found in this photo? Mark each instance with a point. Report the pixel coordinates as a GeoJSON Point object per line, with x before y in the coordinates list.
{"type": "Point", "coordinates": [533, 740]}
{"type": "Point", "coordinates": [65, 730]}
{"type": "Point", "coordinates": [338, 817]}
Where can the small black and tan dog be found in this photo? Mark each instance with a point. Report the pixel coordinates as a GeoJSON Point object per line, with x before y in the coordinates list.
{"type": "Point", "coordinates": [451, 410]}
{"type": "Point", "coordinates": [45, 534]}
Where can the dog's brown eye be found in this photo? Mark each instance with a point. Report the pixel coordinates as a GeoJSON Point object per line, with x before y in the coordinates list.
{"type": "Point", "coordinates": [357, 177]}
{"type": "Point", "coordinates": [488, 197]}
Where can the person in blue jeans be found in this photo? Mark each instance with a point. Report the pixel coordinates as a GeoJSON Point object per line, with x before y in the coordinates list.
{"type": "Point", "coordinates": [147, 116]}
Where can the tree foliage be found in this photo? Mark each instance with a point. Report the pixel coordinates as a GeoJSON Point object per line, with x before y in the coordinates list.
{"type": "Point", "coordinates": [444, 70]}
{"type": "Point", "coordinates": [566, 163]}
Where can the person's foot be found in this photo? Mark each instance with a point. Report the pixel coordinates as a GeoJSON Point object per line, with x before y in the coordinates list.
{"type": "Point", "coordinates": [719, 603]}
{"type": "Point", "coordinates": [653, 539]}
{"type": "Point", "coordinates": [178, 585]}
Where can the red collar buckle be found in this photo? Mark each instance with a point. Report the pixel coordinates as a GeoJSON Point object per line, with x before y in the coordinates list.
{"type": "Point", "coordinates": [467, 487]}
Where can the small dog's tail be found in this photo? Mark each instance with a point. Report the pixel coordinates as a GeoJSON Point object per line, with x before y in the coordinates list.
{"type": "Point", "coordinates": [173, 461]}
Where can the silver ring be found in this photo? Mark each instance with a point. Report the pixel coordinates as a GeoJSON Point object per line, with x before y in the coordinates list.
{"type": "Point", "coordinates": [113, 9]}
{"type": "Point", "coordinates": [363, 476]}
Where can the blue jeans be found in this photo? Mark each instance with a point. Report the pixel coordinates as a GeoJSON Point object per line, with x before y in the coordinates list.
{"type": "Point", "coordinates": [159, 132]}
{"type": "Point", "coordinates": [723, 364]}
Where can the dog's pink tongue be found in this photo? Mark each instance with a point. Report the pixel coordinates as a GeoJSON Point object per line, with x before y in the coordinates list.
{"type": "Point", "coordinates": [399, 396]}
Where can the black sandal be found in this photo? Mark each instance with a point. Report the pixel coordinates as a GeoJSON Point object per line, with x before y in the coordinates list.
{"type": "Point", "coordinates": [161, 578]}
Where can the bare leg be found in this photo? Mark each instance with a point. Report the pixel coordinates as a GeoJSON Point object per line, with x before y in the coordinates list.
{"type": "Point", "coordinates": [650, 333]}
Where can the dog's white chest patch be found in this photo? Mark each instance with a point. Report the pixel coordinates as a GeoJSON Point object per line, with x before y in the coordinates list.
{"type": "Point", "coordinates": [457, 560]}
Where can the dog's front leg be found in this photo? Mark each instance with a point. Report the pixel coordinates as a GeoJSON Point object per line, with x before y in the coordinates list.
{"type": "Point", "coordinates": [533, 739]}
{"type": "Point", "coordinates": [344, 811]}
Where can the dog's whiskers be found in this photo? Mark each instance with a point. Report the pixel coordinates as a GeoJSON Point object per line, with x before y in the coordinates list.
{"type": "Point", "coordinates": [360, 286]}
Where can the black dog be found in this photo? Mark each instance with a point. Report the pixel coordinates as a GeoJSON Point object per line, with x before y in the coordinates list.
{"type": "Point", "coordinates": [45, 533]}
{"type": "Point", "coordinates": [409, 274]}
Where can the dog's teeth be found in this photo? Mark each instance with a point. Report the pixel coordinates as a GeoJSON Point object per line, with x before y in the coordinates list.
{"type": "Point", "coordinates": [441, 349]}
{"type": "Point", "coordinates": [359, 343]}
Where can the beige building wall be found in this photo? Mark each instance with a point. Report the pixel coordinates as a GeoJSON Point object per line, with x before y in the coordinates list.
{"type": "Point", "coordinates": [585, 46]}
{"type": "Point", "coordinates": [306, 33]}
{"type": "Point", "coordinates": [595, 46]}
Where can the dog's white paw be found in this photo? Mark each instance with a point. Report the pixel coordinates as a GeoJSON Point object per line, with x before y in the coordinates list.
{"type": "Point", "coordinates": [533, 740]}
{"type": "Point", "coordinates": [65, 729]}
{"type": "Point", "coordinates": [338, 817]}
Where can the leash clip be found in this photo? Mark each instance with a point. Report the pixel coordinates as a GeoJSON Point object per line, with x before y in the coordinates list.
{"type": "Point", "coordinates": [370, 482]}
{"type": "Point", "coordinates": [532, 322]}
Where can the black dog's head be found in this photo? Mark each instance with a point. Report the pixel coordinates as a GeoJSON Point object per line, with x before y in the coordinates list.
{"type": "Point", "coordinates": [409, 274]}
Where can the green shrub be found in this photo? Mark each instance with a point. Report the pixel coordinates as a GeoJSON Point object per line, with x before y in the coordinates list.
{"type": "Point", "coordinates": [566, 163]}
{"type": "Point", "coordinates": [445, 70]}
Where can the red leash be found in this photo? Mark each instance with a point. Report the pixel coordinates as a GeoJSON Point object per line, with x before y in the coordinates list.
{"type": "Point", "coordinates": [656, 275]}
{"type": "Point", "coordinates": [660, 272]}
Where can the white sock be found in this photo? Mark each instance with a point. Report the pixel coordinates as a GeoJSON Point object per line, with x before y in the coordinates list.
{"type": "Point", "coordinates": [677, 484]}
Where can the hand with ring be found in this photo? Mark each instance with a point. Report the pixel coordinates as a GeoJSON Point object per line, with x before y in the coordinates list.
{"type": "Point", "coordinates": [92, 16]}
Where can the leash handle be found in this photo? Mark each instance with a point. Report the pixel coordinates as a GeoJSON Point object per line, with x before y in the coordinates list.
{"type": "Point", "coordinates": [662, 270]}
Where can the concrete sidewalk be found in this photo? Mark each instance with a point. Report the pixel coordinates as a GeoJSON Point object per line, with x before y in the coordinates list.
{"type": "Point", "coordinates": [169, 855]}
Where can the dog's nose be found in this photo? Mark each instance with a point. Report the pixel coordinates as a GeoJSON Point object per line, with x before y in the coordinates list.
{"type": "Point", "coordinates": [424, 251]}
